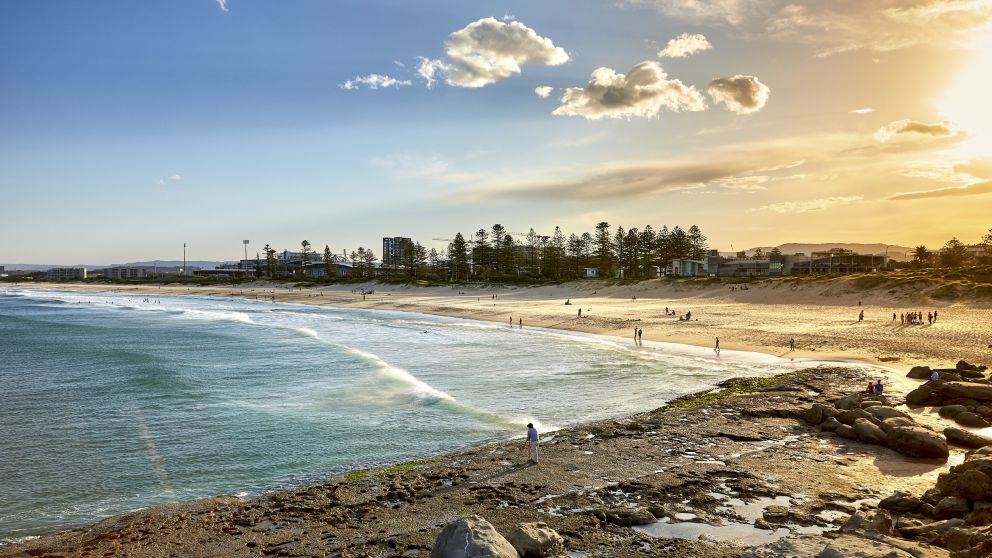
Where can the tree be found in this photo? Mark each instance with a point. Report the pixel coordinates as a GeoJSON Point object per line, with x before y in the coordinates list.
{"type": "Point", "coordinates": [480, 253]}
{"type": "Point", "coordinates": [434, 261]}
{"type": "Point", "coordinates": [953, 254]}
{"type": "Point", "coordinates": [602, 251]}
{"type": "Point", "coordinates": [555, 254]}
{"type": "Point", "coordinates": [645, 252]}
{"type": "Point", "coordinates": [270, 260]}
{"type": "Point", "coordinates": [759, 254]}
{"type": "Point", "coordinates": [663, 248]}
{"type": "Point", "coordinates": [507, 263]}
{"type": "Point", "coordinates": [304, 256]}
{"type": "Point", "coordinates": [619, 248]}
{"type": "Point", "coordinates": [497, 262]}
{"type": "Point", "coordinates": [921, 256]}
{"type": "Point", "coordinates": [697, 243]}
{"type": "Point", "coordinates": [258, 265]}
{"type": "Point", "coordinates": [419, 259]}
{"type": "Point", "coordinates": [330, 267]}
{"type": "Point", "coordinates": [458, 254]}
{"type": "Point", "coordinates": [680, 246]}
{"type": "Point", "coordinates": [987, 239]}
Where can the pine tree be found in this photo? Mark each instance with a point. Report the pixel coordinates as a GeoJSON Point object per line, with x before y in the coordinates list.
{"type": "Point", "coordinates": [602, 252]}
{"type": "Point", "coordinates": [270, 261]}
{"type": "Point", "coordinates": [697, 243]}
{"type": "Point", "coordinates": [330, 267]}
{"type": "Point", "coordinates": [458, 255]}
{"type": "Point", "coordinates": [304, 256]}
{"type": "Point", "coordinates": [619, 250]}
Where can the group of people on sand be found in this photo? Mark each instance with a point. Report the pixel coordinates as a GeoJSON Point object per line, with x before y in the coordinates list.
{"type": "Point", "coordinates": [916, 318]}
{"type": "Point", "coordinates": [738, 288]}
{"type": "Point", "coordinates": [638, 334]}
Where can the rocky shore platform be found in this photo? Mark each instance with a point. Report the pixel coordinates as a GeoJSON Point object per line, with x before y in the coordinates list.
{"type": "Point", "coordinates": [802, 464]}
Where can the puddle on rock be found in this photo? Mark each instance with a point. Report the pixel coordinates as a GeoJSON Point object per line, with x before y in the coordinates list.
{"type": "Point", "coordinates": [740, 533]}
{"type": "Point", "coordinates": [753, 510]}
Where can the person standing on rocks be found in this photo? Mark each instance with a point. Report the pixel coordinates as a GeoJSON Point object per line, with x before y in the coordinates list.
{"type": "Point", "coordinates": [532, 441]}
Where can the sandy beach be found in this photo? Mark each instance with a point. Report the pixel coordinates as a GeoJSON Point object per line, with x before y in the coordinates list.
{"type": "Point", "coordinates": [821, 316]}
{"type": "Point", "coordinates": [749, 473]}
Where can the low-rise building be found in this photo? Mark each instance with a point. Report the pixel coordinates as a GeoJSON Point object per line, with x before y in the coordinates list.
{"type": "Point", "coordinates": [123, 272]}
{"type": "Point", "coordinates": [688, 268]}
{"type": "Point", "coordinates": [66, 273]}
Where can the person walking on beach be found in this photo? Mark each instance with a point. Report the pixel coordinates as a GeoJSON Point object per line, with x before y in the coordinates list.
{"type": "Point", "coordinates": [635, 335]}
{"type": "Point", "coordinates": [792, 344]}
{"type": "Point", "coordinates": [532, 442]}
{"type": "Point", "coordinates": [520, 322]}
{"type": "Point", "coordinates": [640, 334]}
{"type": "Point", "coordinates": [861, 316]}
{"type": "Point", "coordinates": [716, 349]}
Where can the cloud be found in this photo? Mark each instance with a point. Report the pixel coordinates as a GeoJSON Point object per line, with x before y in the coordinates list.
{"type": "Point", "coordinates": [749, 183]}
{"type": "Point", "coordinates": [684, 45]}
{"type": "Point", "coordinates": [373, 81]}
{"type": "Point", "coordinates": [175, 178]}
{"type": "Point", "coordinates": [863, 111]}
{"type": "Point", "coordinates": [835, 27]}
{"type": "Point", "coordinates": [643, 92]}
{"type": "Point", "coordinates": [488, 50]}
{"type": "Point", "coordinates": [411, 165]}
{"type": "Point", "coordinates": [160, 182]}
{"type": "Point", "coordinates": [543, 91]}
{"type": "Point", "coordinates": [975, 189]}
{"type": "Point", "coordinates": [732, 12]}
{"type": "Point", "coordinates": [809, 205]}
{"type": "Point", "coordinates": [894, 129]}
{"type": "Point", "coordinates": [223, 5]}
{"type": "Point", "coordinates": [976, 169]}
{"type": "Point", "coordinates": [740, 94]}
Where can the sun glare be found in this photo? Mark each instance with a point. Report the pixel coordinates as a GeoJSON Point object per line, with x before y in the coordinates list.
{"type": "Point", "coordinates": [967, 102]}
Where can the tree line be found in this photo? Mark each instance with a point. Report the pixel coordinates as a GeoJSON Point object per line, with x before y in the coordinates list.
{"type": "Point", "coordinates": [954, 253]}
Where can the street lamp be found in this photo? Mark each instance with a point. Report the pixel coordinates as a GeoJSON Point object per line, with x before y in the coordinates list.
{"type": "Point", "coordinates": [245, 242]}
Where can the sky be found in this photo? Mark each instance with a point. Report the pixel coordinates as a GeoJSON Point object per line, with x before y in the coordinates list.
{"type": "Point", "coordinates": [129, 128]}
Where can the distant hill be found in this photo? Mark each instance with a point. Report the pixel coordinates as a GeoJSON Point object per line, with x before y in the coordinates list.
{"type": "Point", "coordinates": [894, 251]}
{"type": "Point", "coordinates": [202, 264]}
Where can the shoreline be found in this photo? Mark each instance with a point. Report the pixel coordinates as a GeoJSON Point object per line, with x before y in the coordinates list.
{"type": "Point", "coordinates": [896, 380]}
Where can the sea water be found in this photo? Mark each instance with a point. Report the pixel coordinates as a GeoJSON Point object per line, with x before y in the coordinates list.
{"type": "Point", "coordinates": [110, 403]}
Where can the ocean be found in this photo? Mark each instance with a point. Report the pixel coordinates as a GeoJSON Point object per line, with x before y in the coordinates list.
{"type": "Point", "coordinates": [109, 403]}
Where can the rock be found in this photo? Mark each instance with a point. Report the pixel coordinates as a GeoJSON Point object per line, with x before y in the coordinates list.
{"type": "Point", "coordinates": [916, 441]}
{"type": "Point", "coordinates": [869, 433]}
{"type": "Point", "coordinates": [978, 392]}
{"type": "Point", "coordinates": [962, 365]}
{"type": "Point", "coordinates": [900, 502]}
{"type": "Point", "coordinates": [957, 538]}
{"type": "Point", "coordinates": [848, 417]}
{"type": "Point", "coordinates": [849, 546]}
{"type": "Point", "coordinates": [874, 522]}
{"type": "Point", "coordinates": [951, 507]}
{"type": "Point", "coordinates": [882, 413]}
{"type": "Point", "coordinates": [971, 375]}
{"type": "Point", "coordinates": [760, 523]}
{"type": "Point", "coordinates": [965, 438]}
{"type": "Point", "coordinates": [830, 424]}
{"type": "Point", "coordinates": [868, 404]}
{"type": "Point", "coordinates": [775, 514]}
{"type": "Point", "coordinates": [920, 395]}
{"type": "Point", "coordinates": [472, 537]}
{"type": "Point", "coordinates": [919, 373]}
{"type": "Point", "coordinates": [818, 413]}
{"type": "Point", "coordinates": [974, 485]}
{"type": "Point", "coordinates": [629, 517]}
{"type": "Point", "coordinates": [951, 411]}
{"type": "Point", "coordinates": [845, 431]}
{"type": "Point", "coordinates": [937, 527]}
{"type": "Point", "coordinates": [979, 517]}
{"type": "Point", "coordinates": [536, 540]}
{"type": "Point", "coordinates": [968, 418]}
{"type": "Point", "coordinates": [848, 402]}
{"type": "Point", "coordinates": [897, 421]}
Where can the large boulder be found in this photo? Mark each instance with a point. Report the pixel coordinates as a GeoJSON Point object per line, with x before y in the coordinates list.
{"type": "Point", "coordinates": [874, 522]}
{"type": "Point", "coordinates": [951, 507]}
{"type": "Point", "coordinates": [951, 411]}
{"type": "Point", "coordinates": [965, 438]}
{"type": "Point", "coordinates": [536, 540]}
{"type": "Point", "coordinates": [968, 418]}
{"type": "Point", "coordinates": [472, 537]}
{"type": "Point", "coordinates": [916, 441]}
{"type": "Point", "coordinates": [628, 517]}
{"type": "Point", "coordinates": [818, 413]}
{"type": "Point", "coordinates": [964, 390]}
{"type": "Point", "coordinates": [848, 402]}
{"type": "Point", "coordinates": [964, 365]}
{"type": "Point", "coordinates": [846, 432]}
{"type": "Point", "coordinates": [848, 417]}
{"type": "Point", "coordinates": [830, 425]}
{"type": "Point", "coordinates": [900, 502]}
{"type": "Point", "coordinates": [919, 373]}
{"type": "Point", "coordinates": [936, 527]}
{"type": "Point", "coordinates": [921, 395]}
{"type": "Point", "coordinates": [971, 479]}
{"type": "Point", "coordinates": [882, 413]}
{"type": "Point", "coordinates": [869, 432]}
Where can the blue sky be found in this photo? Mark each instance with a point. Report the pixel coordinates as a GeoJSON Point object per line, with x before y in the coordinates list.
{"type": "Point", "coordinates": [129, 128]}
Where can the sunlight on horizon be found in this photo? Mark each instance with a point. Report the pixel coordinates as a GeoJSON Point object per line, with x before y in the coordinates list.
{"type": "Point", "coordinates": [966, 101]}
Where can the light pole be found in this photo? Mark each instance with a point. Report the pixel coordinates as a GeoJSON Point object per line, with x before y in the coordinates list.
{"type": "Point", "coordinates": [183, 272]}
{"type": "Point", "coordinates": [245, 242]}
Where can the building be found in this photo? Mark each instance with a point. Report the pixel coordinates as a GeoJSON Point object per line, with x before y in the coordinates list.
{"type": "Point", "coordinates": [394, 250]}
{"type": "Point", "coordinates": [591, 272]}
{"type": "Point", "coordinates": [688, 268]}
{"type": "Point", "coordinates": [124, 272]}
{"type": "Point", "coordinates": [836, 260]}
{"type": "Point", "coordinates": [66, 274]}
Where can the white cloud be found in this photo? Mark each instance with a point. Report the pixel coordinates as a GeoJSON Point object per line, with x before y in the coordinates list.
{"type": "Point", "coordinates": [160, 182]}
{"type": "Point", "coordinates": [684, 45]}
{"type": "Point", "coordinates": [488, 50]}
{"type": "Point", "coordinates": [863, 111]}
{"type": "Point", "coordinates": [223, 5]}
{"type": "Point", "coordinates": [899, 127]}
{"type": "Point", "coordinates": [746, 183]}
{"type": "Point", "coordinates": [733, 12]}
{"type": "Point", "coordinates": [175, 178]}
{"type": "Point", "coordinates": [740, 94]}
{"type": "Point", "coordinates": [373, 81]}
{"type": "Point", "coordinates": [543, 91]}
{"type": "Point", "coordinates": [642, 92]}
{"type": "Point", "coordinates": [809, 205]}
